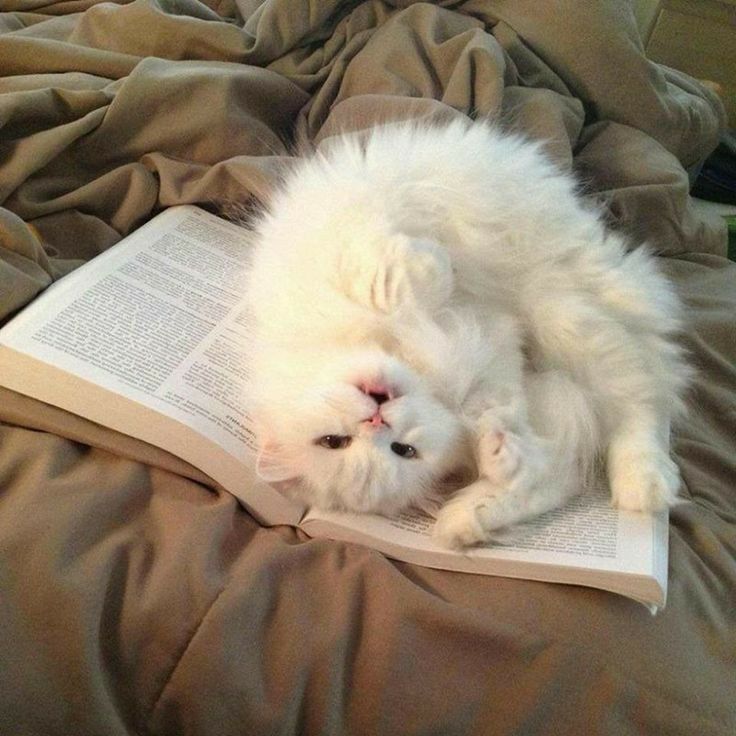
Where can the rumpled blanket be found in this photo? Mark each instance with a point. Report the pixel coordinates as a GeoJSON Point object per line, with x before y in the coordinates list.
{"type": "Point", "coordinates": [111, 111]}
{"type": "Point", "coordinates": [135, 596]}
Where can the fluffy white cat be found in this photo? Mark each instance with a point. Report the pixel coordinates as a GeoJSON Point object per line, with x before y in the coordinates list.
{"type": "Point", "coordinates": [438, 302]}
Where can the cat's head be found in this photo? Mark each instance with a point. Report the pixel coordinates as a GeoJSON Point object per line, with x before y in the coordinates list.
{"type": "Point", "coordinates": [360, 433]}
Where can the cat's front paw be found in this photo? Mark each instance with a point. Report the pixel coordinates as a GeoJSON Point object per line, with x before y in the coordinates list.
{"type": "Point", "coordinates": [477, 512]}
{"type": "Point", "coordinates": [459, 525]}
{"type": "Point", "coordinates": [500, 455]}
{"type": "Point", "coordinates": [644, 481]}
{"type": "Point", "coordinates": [506, 455]}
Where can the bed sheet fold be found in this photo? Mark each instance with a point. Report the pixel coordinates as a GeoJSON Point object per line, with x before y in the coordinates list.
{"type": "Point", "coordinates": [111, 111]}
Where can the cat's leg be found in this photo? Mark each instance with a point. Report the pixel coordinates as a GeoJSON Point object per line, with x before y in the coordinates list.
{"type": "Point", "coordinates": [512, 463]}
{"type": "Point", "coordinates": [635, 380]}
{"type": "Point", "coordinates": [641, 472]}
{"type": "Point", "coordinates": [396, 273]}
{"type": "Point", "coordinates": [513, 487]}
{"type": "Point", "coordinates": [510, 456]}
{"type": "Point", "coordinates": [482, 508]}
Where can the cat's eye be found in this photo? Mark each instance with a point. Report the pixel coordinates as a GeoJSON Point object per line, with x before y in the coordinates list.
{"type": "Point", "coordinates": [403, 450]}
{"type": "Point", "coordinates": [334, 441]}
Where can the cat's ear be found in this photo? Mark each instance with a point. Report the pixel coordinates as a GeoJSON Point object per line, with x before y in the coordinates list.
{"type": "Point", "coordinates": [275, 465]}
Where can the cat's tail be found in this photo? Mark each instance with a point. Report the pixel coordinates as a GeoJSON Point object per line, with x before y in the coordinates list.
{"type": "Point", "coordinates": [562, 412]}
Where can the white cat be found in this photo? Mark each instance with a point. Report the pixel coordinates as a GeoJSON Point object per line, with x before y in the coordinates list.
{"type": "Point", "coordinates": [431, 300]}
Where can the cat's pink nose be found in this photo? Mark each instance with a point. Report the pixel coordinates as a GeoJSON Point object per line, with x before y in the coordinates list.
{"type": "Point", "coordinates": [377, 420]}
{"type": "Point", "coordinates": [378, 391]}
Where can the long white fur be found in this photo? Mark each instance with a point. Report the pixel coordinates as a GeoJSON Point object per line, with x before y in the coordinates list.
{"type": "Point", "coordinates": [521, 339]}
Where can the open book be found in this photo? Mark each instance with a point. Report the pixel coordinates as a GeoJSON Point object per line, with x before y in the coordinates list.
{"type": "Point", "coordinates": [148, 339]}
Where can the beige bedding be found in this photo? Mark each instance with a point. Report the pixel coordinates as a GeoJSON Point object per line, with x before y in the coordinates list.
{"type": "Point", "coordinates": [135, 597]}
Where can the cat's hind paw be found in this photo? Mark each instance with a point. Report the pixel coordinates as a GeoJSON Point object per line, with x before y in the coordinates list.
{"type": "Point", "coordinates": [647, 482]}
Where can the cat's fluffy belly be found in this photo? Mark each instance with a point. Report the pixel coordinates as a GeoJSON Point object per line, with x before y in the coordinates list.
{"type": "Point", "coordinates": [429, 300]}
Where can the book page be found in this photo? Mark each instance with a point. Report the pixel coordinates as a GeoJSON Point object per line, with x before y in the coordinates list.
{"type": "Point", "coordinates": [157, 320]}
{"type": "Point", "coordinates": [148, 339]}
{"type": "Point", "coordinates": [587, 542]}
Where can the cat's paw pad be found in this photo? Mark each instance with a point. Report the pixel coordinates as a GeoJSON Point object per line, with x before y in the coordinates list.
{"type": "Point", "coordinates": [500, 453]}
{"type": "Point", "coordinates": [647, 482]}
{"type": "Point", "coordinates": [506, 456]}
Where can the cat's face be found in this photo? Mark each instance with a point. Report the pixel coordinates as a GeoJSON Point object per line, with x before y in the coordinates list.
{"type": "Point", "coordinates": [364, 434]}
